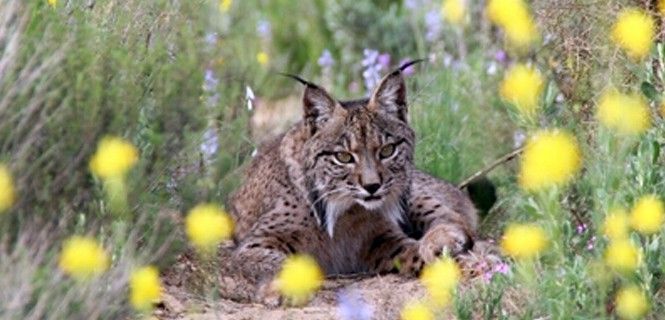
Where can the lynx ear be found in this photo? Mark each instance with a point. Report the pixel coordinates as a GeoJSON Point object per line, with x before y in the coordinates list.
{"type": "Point", "coordinates": [317, 103]}
{"type": "Point", "coordinates": [318, 106]}
{"type": "Point", "coordinates": [390, 95]}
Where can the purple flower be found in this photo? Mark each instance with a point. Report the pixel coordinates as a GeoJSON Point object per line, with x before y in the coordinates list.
{"type": "Point", "coordinates": [211, 38]}
{"type": "Point", "coordinates": [352, 306]}
{"type": "Point", "coordinates": [433, 25]}
{"type": "Point", "coordinates": [502, 268]}
{"type": "Point", "coordinates": [210, 144]}
{"type": "Point", "coordinates": [372, 71]}
{"type": "Point", "coordinates": [487, 276]}
{"type": "Point", "coordinates": [384, 60]}
{"type": "Point", "coordinates": [500, 56]}
{"type": "Point", "coordinates": [581, 228]}
{"type": "Point", "coordinates": [210, 82]}
{"type": "Point", "coordinates": [369, 57]}
{"type": "Point", "coordinates": [264, 29]}
{"type": "Point", "coordinates": [326, 60]}
{"type": "Point", "coordinates": [591, 243]}
{"type": "Point", "coordinates": [411, 4]}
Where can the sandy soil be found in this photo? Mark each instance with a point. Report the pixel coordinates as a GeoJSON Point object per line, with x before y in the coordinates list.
{"type": "Point", "coordinates": [385, 295]}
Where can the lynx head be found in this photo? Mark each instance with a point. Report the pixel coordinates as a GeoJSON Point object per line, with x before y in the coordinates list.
{"type": "Point", "coordinates": [358, 153]}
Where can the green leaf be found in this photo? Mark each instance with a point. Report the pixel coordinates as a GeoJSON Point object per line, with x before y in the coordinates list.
{"type": "Point", "coordinates": [649, 90]}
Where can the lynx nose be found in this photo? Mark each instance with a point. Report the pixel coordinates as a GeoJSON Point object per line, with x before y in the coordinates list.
{"type": "Point", "coordinates": [372, 187]}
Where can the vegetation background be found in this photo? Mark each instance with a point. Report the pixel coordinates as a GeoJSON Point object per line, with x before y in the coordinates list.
{"type": "Point", "coordinates": [194, 85]}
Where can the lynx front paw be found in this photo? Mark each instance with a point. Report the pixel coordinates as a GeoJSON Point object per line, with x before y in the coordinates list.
{"type": "Point", "coordinates": [268, 294]}
{"type": "Point", "coordinates": [442, 238]}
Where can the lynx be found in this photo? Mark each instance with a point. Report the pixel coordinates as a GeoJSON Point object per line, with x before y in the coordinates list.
{"type": "Point", "coordinates": [341, 186]}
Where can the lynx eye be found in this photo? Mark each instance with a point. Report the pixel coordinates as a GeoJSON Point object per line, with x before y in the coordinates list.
{"type": "Point", "coordinates": [344, 157]}
{"type": "Point", "coordinates": [387, 151]}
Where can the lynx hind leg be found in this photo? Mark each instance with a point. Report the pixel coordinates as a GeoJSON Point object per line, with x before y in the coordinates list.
{"type": "Point", "coordinates": [443, 215]}
{"type": "Point", "coordinates": [394, 252]}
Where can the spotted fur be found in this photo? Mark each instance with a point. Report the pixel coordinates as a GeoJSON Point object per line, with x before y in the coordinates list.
{"type": "Point", "coordinates": [375, 214]}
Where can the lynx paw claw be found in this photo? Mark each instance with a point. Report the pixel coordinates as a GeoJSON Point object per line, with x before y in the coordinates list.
{"type": "Point", "coordinates": [443, 238]}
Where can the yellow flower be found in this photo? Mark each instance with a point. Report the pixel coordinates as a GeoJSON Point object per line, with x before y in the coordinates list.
{"type": "Point", "coordinates": [615, 226]}
{"type": "Point", "coordinates": [501, 12]}
{"type": "Point", "coordinates": [262, 58]}
{"type": "Point", "coordinates": [453, 11]}
{"type": "Point", "coordinates": [113, 158]}
{"type": "Point", "coordinates": [299, 278]}
{"type": "Point", "coordinates": [440, 278]}
{"type": "Point", "coordinates": [551, 157]}
{"type": "Point", "coordinates": [522, 86]}
{"type": "Point", "coordinates": [631, 303]}
{"type": "Point", "coordinates": [416, 311]}
{"type": "Point", "coordinates": [628, 114]}
{"type": "Point", "coordinates": [521, 31]}
{"type": "Point", "coordinates": [647, 215]}
{"type": "Point", "coordinates": [514, 17]}
{"type": "Point", "coordinates": [622, 255]}
{"type": "Point", "coordinates": [145, 288]}
{"type": "Point", "coordinates": [83, 257]}
{"type": "Point", "coordinates": [7, 193]}
{"type": "Point", "coordinates": [523, 241]}
{"type": "Point", "coordinates": [634, 32]}
{"type": "Point", "coordinates": [225, 5]}
{"type": "Point", "coordinates": [207, 225]}
{"type": "Point", "coordinates": [52, 3]}
{"type": "Point", "coordinates": [661, 7]}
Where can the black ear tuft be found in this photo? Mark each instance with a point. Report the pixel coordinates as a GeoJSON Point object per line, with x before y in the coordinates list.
{"type": "Point", "coordinates": [390, 94]}
{"type": "Point", "coordinates": [407, 64]}
{"type": "Point", "coordinates": [299, 79]}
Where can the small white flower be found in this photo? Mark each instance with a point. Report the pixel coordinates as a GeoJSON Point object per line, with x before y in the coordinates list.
{"type": "Point", "coordinates": [492, 68]}
{"type": "Point", "coordinates": [249, 95]}
{"type": "Point", "coordinates": [518, 138]}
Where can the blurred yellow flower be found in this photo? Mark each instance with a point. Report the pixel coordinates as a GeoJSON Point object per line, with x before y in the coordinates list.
{"type": "Point", "coordinates": [522, 86]}
{"type": "Point", "coordinates": [225, 5]}
{"type": "Point", "coordinates": [615, 226]}
{"type": "Point", "coordinates": [501, 12]}
{"type": "Point", "coordinates": [262, 58]}
{"type": "Point", "coordinates": [628, 114]}
{"type": "Point", "coordinates": [622, 255]}
{"type": "Point", "coordinates": [83, 257]}
{"type": "Point", "coordinates": [299, 278]}
{"type": "Point", "coordinates": [416, 311]}
{"type": "Point", "coordinates": [145, 288]}
{"type": "Point", "coordinates": [514, 17]}
{"type": "Point", "coordinates": [523, 241]}
{"type": "Point", "coordinates": [634, 32]}
{"type": "Point", "coordinates": [207, 225]}
{"type": "Point", "coordinates": [662, 106]}
{"type": "Point", "coordinates": [551, 157]}
{"type": "Point", "coordinates": [52, 3]}
{"type": "Point", "coordinates": [521, 31]}
{"type": "Point", "coordinates": [7, 192]}
{"type": "Point", "coordinates": [453, 11]}
{"type": "Point", "coordinates": [661, 7]}
{"type": "Point", "coordinates": [647, 215]}
{"type": "Point", "coordinates": [440, 278]}
{"type": "Point", "coordinates": [113, 158]}
{"type": "Point", "coordinates": [631, 303]}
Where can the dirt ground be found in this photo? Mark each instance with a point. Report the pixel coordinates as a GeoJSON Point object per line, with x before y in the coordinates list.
{"type": "Point", "coordinates": [384, 295]}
